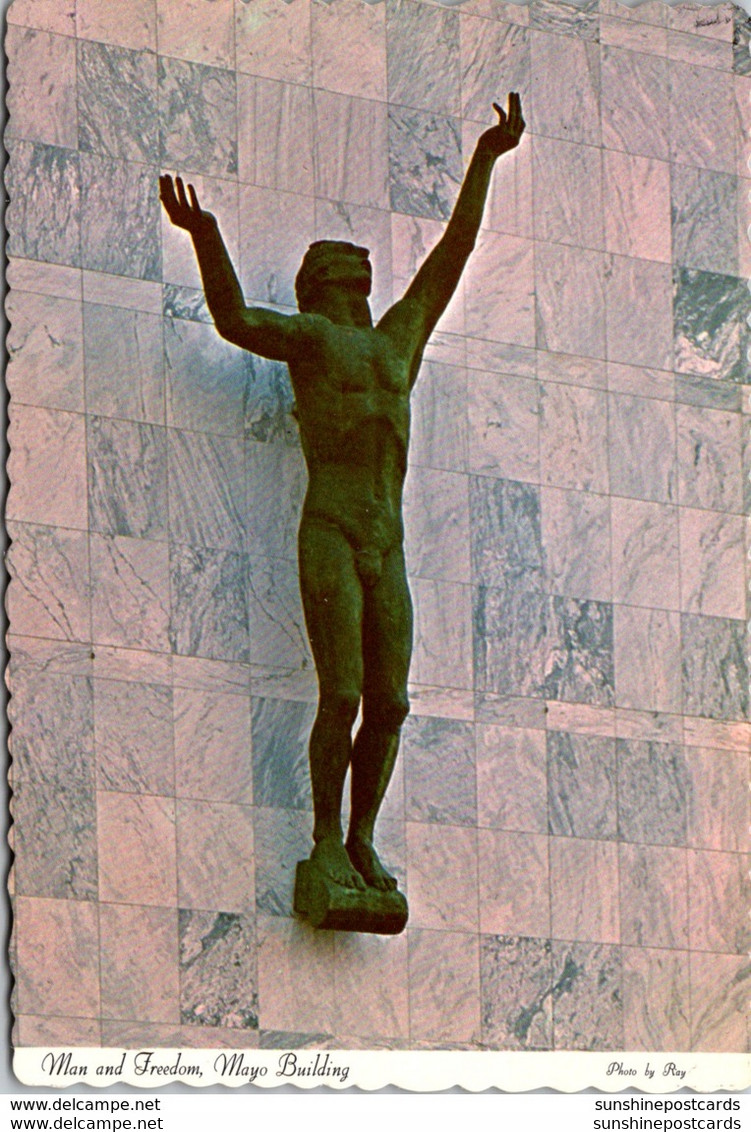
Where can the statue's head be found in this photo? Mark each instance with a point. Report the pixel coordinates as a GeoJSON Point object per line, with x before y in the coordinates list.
{"type": "Point", "coordinates": [329, 263]}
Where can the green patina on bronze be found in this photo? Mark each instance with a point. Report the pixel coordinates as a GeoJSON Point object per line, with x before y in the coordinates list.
{"type": "Point", "coordinates": [352, 382]}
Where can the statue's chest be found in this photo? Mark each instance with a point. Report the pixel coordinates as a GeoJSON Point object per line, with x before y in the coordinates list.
{"type": "Point", "coordinates": [365, 362]}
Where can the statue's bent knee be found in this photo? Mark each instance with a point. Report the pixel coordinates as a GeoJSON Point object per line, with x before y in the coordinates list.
{"type": "Point", "coordinates": [341, 705]}
{"type": "Point", "coordinates": [386, 712]}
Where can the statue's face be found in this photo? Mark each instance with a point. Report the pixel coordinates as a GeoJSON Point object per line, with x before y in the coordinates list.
{"type": "Point", "coordinates": [350, 269]}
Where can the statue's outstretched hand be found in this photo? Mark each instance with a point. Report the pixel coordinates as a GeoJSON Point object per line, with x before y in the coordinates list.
{"type": "Point", "coordinates": [183, 212]}
{"type": "Point", "coordinates": [507, 134]}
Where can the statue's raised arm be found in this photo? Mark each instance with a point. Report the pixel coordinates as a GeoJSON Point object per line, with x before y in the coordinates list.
{"type": "Point", "coordinates": [262, 331]}
{"type": "Point", "coordinates": [413, 318]}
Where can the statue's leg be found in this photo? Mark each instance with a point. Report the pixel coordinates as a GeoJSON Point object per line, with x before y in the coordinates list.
{"type": "Point", "coordinates": [387, 648]}
{"type": "Point", "coordinates": [333, 606]}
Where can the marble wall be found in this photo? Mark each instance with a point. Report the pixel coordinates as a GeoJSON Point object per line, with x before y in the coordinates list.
{"type": "Point", "coordinates": [570, 810]}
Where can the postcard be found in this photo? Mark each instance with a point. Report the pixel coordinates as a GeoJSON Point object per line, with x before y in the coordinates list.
{"type": "Point", "coordinates": [379, 476]}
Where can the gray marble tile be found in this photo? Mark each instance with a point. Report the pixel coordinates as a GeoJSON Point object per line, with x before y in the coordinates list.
{"type": "Point", "coordinates": [437, 522]}
{"type": "Point", "coordinates": [491, 48]}
{"type": "Point", "coordinates": [580, 20]}
{"type": "Point", "coordinates": [568, 109]}
{"type": "Point", "coordinates": [130, 598]}
{"type": "Point", "coordinates": [741, 42]}
{"type": "Point", "coordinates": [655, 999]}
{"type": "Point", "coordinates": [581, 786]}
{"type": "Point", "coordinates": [44, 214]}
{"type": "Point", "coordinates": [127, 478]}
{"type": "Point", "coordinates": [45, 351]}
{"type": "Point", "coordinates": [209, 603]}
{"type": "Point", "coordinates": [635, 94]}
{"type": "Point", "coordinates": [719, 1003]}
{"type": "Point", "coordinates": [217, 970]}
{"type": "Point", "coordinates": [212, 744]}
{"type": "Point", "coordinates": [133, 732]}
{"type": "Point", "coordinates": [124, 362]}
{"type": "Point", "coordinates": [509, 639]}
{"type": "Point", "coordinates": [185, 302]}
{"type": "Point", "coordinates": [515, 990]}
{"type": "Point", "coordinates": [645, 554]}
{"type": "Point", "coordinates": [206, 379]}
{"type": "Point", "coordinates": [277, 479]}
{"type": "Point", "coordinates": [715, 671]}
{"type": "Point", "coordinates": [719, 892]}
{"type": "Point", "coordinates": [207, 496]}
{"type": "Point", "coordinates": [281, 838]}
{"type": "Point", "coordinates": [53, 786]}
{"type": "Point", "coordinates": [576, 537]}
{"type": "Point", "coordinates": [506, 541]}
{"type": "Point", "coordinates": [48, 594]}
{"type": "Point", "coordinates": [653, 787]}
{"type": "Point", "coordinates": [439, 418]}
{"type": "Point", "coordinates": [42, 86]}
{"type": "Point", "coordinates": [587, 997]}
{"type": "Point", "coordinates": [654, 896]}
{"type": "Point", "coordinates": [279, 738]}
{"type": "Point", "coordinates": [707, 392]}
{"type": "Point", "coordinates": [439, 771]}
{"type": "Point", "coordinates": [198, 117]}
{"type": "Point", "coordinates": [579, 652]}
{"type": "Point", "coordinates": [704, 210]}
{"type": "Point", "coordinates": [422, 53]}
{"type": "Point", "coordinates": [277, 628]}
{"type": "Point", "coordinates": [710, 336]}
{"type": "Point", "coordinates": [117, 109]}
{"type": "Point", "coordinates": [646, 426]}
{"type": "Point", "coordinates": [270, 404]}
{"type": "Point", "coordinates": [120, 217]}
{"type": "Point", "coordinates": [709, 459]}
{"type": "Point", "coordinates": [425, 162]}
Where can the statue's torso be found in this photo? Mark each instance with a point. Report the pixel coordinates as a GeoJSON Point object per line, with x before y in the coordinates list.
{"type": "Point", "coordinates": [352, 393]}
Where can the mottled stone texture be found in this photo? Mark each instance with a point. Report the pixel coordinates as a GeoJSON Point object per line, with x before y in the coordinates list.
{"type": "Point", "coordinates": [569, 813]}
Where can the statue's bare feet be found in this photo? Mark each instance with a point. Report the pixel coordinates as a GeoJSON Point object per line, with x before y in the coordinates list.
{"type": "Point", "coordinates": [330, 856]}
{"type": "Point", "coordinates": [363, 856]}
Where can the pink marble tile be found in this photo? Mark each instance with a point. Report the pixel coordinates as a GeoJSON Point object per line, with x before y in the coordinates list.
{"type": "Point", "coordinates": [719, 1003]}
{"type": "Point", "coordinates": [744, 227]}
{"type": "Point", "coordinates": [212, 746]}
{"type": "Point", "coordinates": [568, 369]}
{"type": "Point", "coordinates": [580, 719]}
{"type": "Point", "coordinates": [635, 101]}
{"type": "Point", "coordinates": [133, 665]}
{"type": "Point", "coordinates": [413, 238]}
{"type": "Point", "coordinates": [275, 134]}
{"type": "Point", "coordinates": [716, 734]}
{"type": "Point", "coordinates": [639, 381]}
{"type": "Point", "coordinates": [702, 51]}
{"type": "Point", "coordinates": [48, 591]}
{"type": "Point", "coordinates": [52, 15]}
{"type": "Point", "coordinates": [570, 107]}
{"type": "Point", "coordinates": [215, 1037]}
{"type": "Point", "coordinates": [639, 334]}
{"type": "Point", "coordinates": [209, 834]}
{"type": "Point", "coordinates": [513, 883]}
{"type": "Point", "coordinates": [44, 278]}
{"type": "Point", "coordinates": [645, 554]}
{"type": "Point", "coordinates": [370, 228]}
{"type": "Point", "coordinates": [637, 206]}
{"type": "Point", "coordinates": [570, 300]}
{"type": "Point", "coordinates": [352, 155]}
{"type": "Point", "coordinates": [47, 467]}
{"type": "Point", "coordinates": [647, 650]}
{"type": "Point", "coordinates": [45, 348]}
{"type": "Point", "coordinates": [709, 21]}
{"type": "Point", "coordinates": [584, 889]}
{"type": "Point", "coordinates": [137, 862]}
{"type": "Point", "coordinates": [568, 193]}
{"type": "Point", "coordinates": [444, 986]}
{"type": "Point", "coordinates": [712, 563]}
{"type": "Point", "coordinates": [371, 986]}
{"type": "Point", "coordinates": [495, 58]}
{"type": "Point", "coordinates": [742, 119]}
{"type": "Point", "coordinates": [645, 426]}
{"type": "Point", "coordinates": [718, 816]}
{"type": "Point", "coordinates": [296, 972]}
{"type": "Point", "coordinates": [102, 20]}
{"type": "Point", "coordinates": [130, 592]}
{"type": "Point", "coordinates": [272, 38]}
{"type": "Point", "coordinates": [133, 737]}
{"type": "Point", "coordinates": [139, 960]}
{"type": "Point", "coordinates": [656, 999]}
{"type": "Point", "coordinates": [199, 30]}
{"type": "Point", "coordinates": [34, 1030]}
{"type": "Point", "coordinates": [709, 458]}
{"type": "Point", "coordinates": [504, 426]}
{"type": "Point", "coordinates": [500, 289]}
{"type": "Point", "coordinates": [652, 12]}
{"type": "Point", "coordinates": [266, 273]}
{"type": "Point", "coordinates": [719, 896]}
{"type": "Point", "coordinates": [695, 140]}
{"type": "Point", "coordinates": [141, 1035]}
{"type": "Point", "coordinates": [212, 675]}
{"type": "Point", "coordinates": [442, 877]}
{"type": "Point", "coordinates": [508, 207]}
{"type": "Point", "coordinates": [630, 34]}
{"type": "Point", "coordinates": [58, 957]}
{"type": "Point", "coordinates": [654, 896]}
{"type": "Point", "coordinates": [576, 534]}
{"type": "Point", "coordinates": [442, 633]}
{"type": "Point", "coordinates": [505, 756]}
{"type": "Point", "coordinates": [573, 438]}
{"type": "Point", "coordinates": [42, 87]}
{"type": "Point", "coordinates": [362, 27]}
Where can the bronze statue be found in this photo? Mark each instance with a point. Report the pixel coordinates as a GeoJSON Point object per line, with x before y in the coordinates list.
{"type": "Point", "coordinates": [352, 382]}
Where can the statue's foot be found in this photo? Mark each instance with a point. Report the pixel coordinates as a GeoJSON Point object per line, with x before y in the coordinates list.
{"type": "Point", "coordinates": [330, 856]}
{"type": "Point", "coordinates": [363, 856]}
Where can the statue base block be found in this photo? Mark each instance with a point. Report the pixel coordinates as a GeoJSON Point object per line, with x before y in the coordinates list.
{"type": "Point", "coordinates": [327, 904]}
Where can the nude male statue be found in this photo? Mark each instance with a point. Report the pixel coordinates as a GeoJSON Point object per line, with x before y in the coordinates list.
{"type": "Point", "coordinates": [352, 381]}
